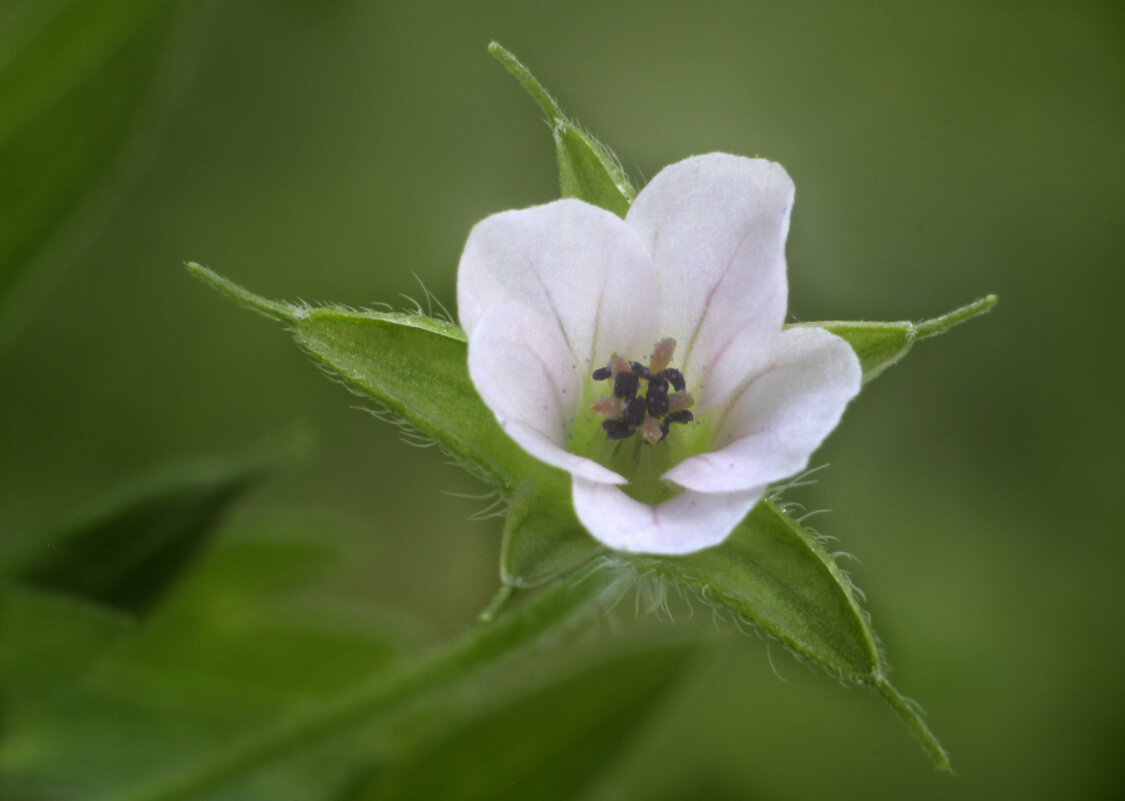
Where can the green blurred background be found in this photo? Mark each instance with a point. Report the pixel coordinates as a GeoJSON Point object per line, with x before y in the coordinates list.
{"type": "Point", "coordinates": [340, 151]}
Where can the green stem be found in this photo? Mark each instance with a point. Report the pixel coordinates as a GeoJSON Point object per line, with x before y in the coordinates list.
{"type": "Point", "coordinates": [913, 718]}
{"type": "Point", "coordinates": [941, 324]}
{"type": "Point", "coordinates": [270, 308]}
{"type": "Point", "coordinates": [545, 613]}
{"type": "Point", "coordinates": [541, 96]}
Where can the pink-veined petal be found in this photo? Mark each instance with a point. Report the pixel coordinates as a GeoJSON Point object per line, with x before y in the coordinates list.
{"type": "Point", "coordinates": [527, 376]}
{"type": "Point", "coordinates": [685, 523]}
{"type": "Point", "coordinates": [716, 227]}
{"type": "Point", "coordinates": [780, 417]}
{"type": "Point", "coordinates": [578, 265]}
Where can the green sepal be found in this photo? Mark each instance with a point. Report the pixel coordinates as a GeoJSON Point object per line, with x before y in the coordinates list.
{"type": "Point", "coordinates": [588, 170]}
{"type": "Point", "coordinates": [775, 574]}
{"type": "Point", "coordinates": [414, 367]}
{"type": "Point", "coordinates": [880, 345]}
{"type": "Point", "coordinates": [542, 537]}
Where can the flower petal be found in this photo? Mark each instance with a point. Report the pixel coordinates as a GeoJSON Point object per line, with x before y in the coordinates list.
{"type": "Point", "coordinates": [716, 228]}
{"type": "Point", "coordinates": [685, 523]}
{"type": "Point", "coordinates": [579, 266]}
{"type": "Point", "coordinates": [780, 417]}
{"type": "Point", "coordinates": [527, 376]}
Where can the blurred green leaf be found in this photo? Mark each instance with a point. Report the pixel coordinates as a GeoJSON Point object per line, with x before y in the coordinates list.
{"type": "Point", "coordinates": [126, 551]}
{"type": "Point", "coordinates": [587, 169]}
{"type": "Point", "coordinates": [547, 744]}
{"type": "Point", "coordinates": [47, 641]}
{"type": "Point", "coordinates": [241, 646]}
{"type": "Point", "coordinates": [192, 731]}
{"type": "Point", "coordinates": [73, 75]}
{"type": "Point", "coordinates": [774, 573]}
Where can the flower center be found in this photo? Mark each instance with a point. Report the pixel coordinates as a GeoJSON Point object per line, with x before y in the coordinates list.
{"type": "Point", "coordinates": [652, 412]}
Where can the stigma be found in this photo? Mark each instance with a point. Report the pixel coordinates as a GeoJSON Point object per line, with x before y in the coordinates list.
{"type": "Point", "coordinates": [663, 403]}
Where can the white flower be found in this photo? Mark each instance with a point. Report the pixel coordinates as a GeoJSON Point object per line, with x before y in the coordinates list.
{"type": "Point", "coordinates": [554, 297]}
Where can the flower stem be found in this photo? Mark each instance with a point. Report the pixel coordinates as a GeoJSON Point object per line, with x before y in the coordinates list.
{"type": "Point", "coordinates": [545, 613]}
{"type": "Point", "coordinates": [939, 325]}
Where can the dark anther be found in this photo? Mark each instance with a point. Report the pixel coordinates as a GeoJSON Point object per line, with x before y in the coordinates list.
{"type": "Point", "coordinates": [617, 429]}
{"type": "Point", "coordinates": [625, 385]}
{"type": "Point", "coordinates": [644, 408]}
{"type": "Point", "coordinates": [634, 412]}
{"type": "Point", "coordinates": [657, 397]}
{"type": "Point", "coordinates": [640, 370]}
{"type": "Point", "coordinates": [682, 416]}
{"type": "Point", "coordinates": [675, 378]}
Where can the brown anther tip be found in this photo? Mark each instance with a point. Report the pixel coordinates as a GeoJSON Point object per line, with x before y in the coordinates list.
{"type": "Point", "coordinates": [662, 354]}
{"type": "Point", "coordinates": [651, 432]}
{"type": "Point", "coordinates": [680, 400]}
{"type": "Point", "coordinates": [618, 364]}
{"type": "Point", "coordinates": [607, 407]}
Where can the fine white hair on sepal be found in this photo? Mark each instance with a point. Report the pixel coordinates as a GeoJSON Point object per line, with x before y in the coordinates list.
{"type": "Point", "coordinates": [773, 667]}
{"type": "Point", "coordinates": [811, 514]}
{"type": "Point", "coordinates": [471, 496]}
{"type": "Point", "coordinates": [415, 308]}
{"type": "Point", "coordinates": [442, 311]}
{"type": "Point", "coordinates": [496, 506]}
{"type": "Point", "coordinates": [407, 433]}
{"type": "Point", "coordinates": [802, 479]}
